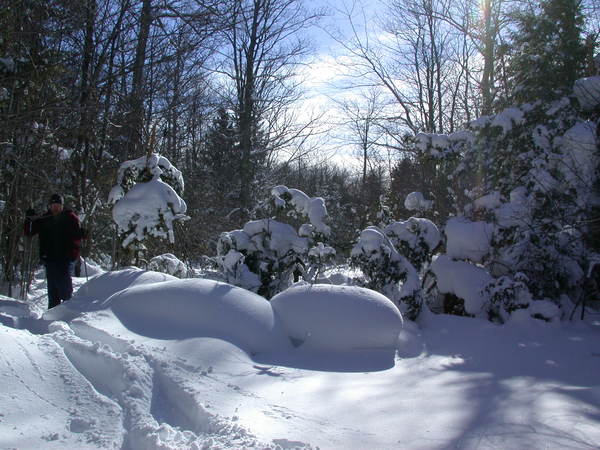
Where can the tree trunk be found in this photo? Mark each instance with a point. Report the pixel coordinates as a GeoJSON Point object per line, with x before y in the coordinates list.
{"type": "Point", "coordinates": [136, 117]}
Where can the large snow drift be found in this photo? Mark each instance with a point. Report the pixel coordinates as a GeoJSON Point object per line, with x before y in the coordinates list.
{"type": "Point", "coordinates": [194, 307]}
{"type": "Point", "coordinates": [339, 318]}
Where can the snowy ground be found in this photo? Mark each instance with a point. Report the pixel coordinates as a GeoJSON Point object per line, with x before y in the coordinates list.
{"type": "Point", "coordinates": [174, 365]}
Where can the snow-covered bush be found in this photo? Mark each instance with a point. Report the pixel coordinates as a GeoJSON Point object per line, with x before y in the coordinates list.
{"type": "Point", "coordinates": [147, 200]}
{"type": "Point", "coordinates": [387, 271]}
{"type": "Point", "coordinates": [456, 287]}
{"type": "Point", "coordinates": [296, 203]}
{"type": "Point", "coordinates": [267, 255]}
{"type": "Point", "coordinates": [506, 295]}
{"type": "Point", "coordinates": [415, 238]}
{"type": "Point", "coordinates": [587, 91]}
{"type": "Point", "coordinates": [415, 201]}
{"type": "Point", "coordinates": [468, 240]}
{"type": "Point", "coordinates": [168, 263]}
{"type": "Point", "coordinates": [288, 202]}
{"type": "Point", "coordinates": [525, 189]}
{"type": "Point", "coordinates": [263, 256]}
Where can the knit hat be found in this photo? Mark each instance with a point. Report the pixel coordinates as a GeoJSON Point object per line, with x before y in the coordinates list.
{"type": "Point", "coordinates": [55, 198]}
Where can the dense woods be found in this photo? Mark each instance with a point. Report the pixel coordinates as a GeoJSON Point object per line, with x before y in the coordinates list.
{"type": "Point", "coordinates": [217, 88]}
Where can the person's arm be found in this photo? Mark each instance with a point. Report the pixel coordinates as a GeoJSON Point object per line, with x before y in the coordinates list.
{"type": "Point", "coordinates": [75, 233]}
{"type": "Point", "coordinates": [31, 225]}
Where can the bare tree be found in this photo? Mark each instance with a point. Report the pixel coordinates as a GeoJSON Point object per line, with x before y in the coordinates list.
{"type": "Point", "coordinates": [360, 127]}
{"type": "Point", "coordinates": [263, 52]}
{"type": "Point", "coordinates": [420, 60]}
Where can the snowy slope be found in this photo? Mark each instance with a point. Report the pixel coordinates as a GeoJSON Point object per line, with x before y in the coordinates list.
{"type": "Point", "coordinates": [105, 371]}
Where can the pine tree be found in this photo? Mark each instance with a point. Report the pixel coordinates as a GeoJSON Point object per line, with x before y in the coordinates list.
{"type": "Point", "coordinates": [547, 53]}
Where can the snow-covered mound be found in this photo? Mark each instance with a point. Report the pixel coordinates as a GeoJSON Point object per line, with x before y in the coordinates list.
{"type": "Point", "coordinates": [197, 307]}
{"type": "Point", "coordinates": [338, 318]}
{"type": "Point", "coordinates": [103, 286]}
{"type": "Point", "coordinates": [11, 311]}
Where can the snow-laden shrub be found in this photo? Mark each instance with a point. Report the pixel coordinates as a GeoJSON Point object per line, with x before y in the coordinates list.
{"type": "Point", "coordinates": [297, 204]}
{"type": "Point", "coordinates": [510, 297]}
{"type": "Point", "coordinates": [234, 267]}
{"type": "Point", "coordinates": [415, 201]}
{"type": "Point", "coordinates": [387, 271]}
{"type": "Point", "coordinates": [267, 255]}
{"type": "Point", "coordinates": [415, 238]}
{"type": "Point", "coordinates": [468, 240]}
{"type": "Point", "coordinates": [456, 287]}
{"type": "Point", "coordinates": [288, 202]}
{"type": "Point", "coordinates": [168, 263]}
{"type": "Point", "coordinates": [526, 191]}
{"type": "Point", "coordinates": [270, 250]}
{"type": "Point", "coordinates": [147, 200]}
{"type": "Point", "coordinates": [507, 295]}
{"type": "Point", "coordinates": [587, 91]}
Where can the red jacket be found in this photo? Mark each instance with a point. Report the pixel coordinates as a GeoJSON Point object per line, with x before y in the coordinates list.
{"type": "Point", "coordinates": [60, 235]}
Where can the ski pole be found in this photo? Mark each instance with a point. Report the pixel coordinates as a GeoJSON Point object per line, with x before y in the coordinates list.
{"type": "Point", "coordinates": [85, 268]}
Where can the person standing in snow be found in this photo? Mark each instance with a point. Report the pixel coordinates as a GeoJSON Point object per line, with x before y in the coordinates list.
{"type": "Point", "coordinates": [60, 246]}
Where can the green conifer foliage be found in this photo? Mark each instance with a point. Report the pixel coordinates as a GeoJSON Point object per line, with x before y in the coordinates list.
{"type": "Point", "coordinates": [547, 53]}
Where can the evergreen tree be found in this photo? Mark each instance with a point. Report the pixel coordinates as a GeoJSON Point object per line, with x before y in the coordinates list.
{"type": "Point", "coordinates": [547, 53]}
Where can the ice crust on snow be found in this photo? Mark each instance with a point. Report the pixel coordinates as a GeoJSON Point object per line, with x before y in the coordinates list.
{"type": "Point", "coordinates": [338, 318]}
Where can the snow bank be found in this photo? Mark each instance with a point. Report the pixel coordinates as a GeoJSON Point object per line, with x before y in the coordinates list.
{"type": "Point", "coordinates": [103, 286]}
{"type": "Point", "coordinates": [196, 307]}
{"type": "Point", "coordinates": [338, 318]}
{"type": "Point", "coordinates": [462, 279]}
{"type": "Point", "coordinates": [468, 240]}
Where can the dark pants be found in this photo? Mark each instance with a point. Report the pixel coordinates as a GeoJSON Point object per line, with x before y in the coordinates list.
{"type": "Point", "coordinates": [60, 286]}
